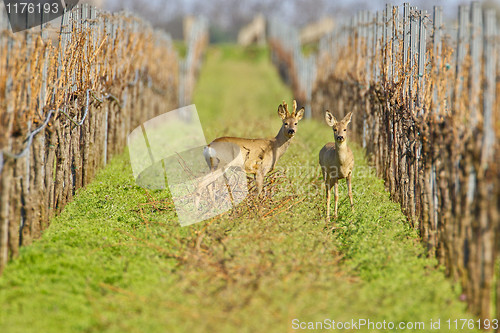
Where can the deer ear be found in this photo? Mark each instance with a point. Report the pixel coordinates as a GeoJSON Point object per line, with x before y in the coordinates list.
{"type": "Point", "coordinates": [347, 118]}
{"type": "Point", "coordinates": [300, 114]}
{"type": "Point", "coordinates": [282, 112]}
{"type": "Point", "coordinates": [330, 119]}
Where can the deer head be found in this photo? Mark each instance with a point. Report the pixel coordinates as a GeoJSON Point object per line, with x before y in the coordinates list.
{"type": "Point", "coordinates": [339, 127]}
{"type": "Point", "coordinates": [290, 120]}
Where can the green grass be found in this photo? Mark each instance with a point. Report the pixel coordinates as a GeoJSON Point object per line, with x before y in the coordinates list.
{"type": "Point", "coordinates": [116, 259]}
{"type": "Point", "coordinates": [181, 48]}
{"type": "Point", "coordinates": [310, 48]}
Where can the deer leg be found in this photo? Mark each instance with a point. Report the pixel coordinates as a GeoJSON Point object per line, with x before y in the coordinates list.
{"type": "Point", "coordinates": [349, 189]}
{"type": "Point", "coordinates": [211, 194]}
{"type": "Point", "coordinates": [259, 180]}
{"type": "Point", "coordinates": [229, 189]}
{"type": "Point", "coordinates": [212, 165]}
{"type": "Point", "coordinates": [197, 200]}
{"type": "Point", "coordinates": [328, 197]}
{"type": "Point", "coordinates": [336, 197]}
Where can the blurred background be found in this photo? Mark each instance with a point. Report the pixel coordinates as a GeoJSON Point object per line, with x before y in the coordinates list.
{"type": "Point", "coordinates": [227, 17]}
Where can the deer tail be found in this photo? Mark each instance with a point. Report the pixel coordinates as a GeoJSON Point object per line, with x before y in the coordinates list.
{"type": "Point", "coordinates": [210, 155]}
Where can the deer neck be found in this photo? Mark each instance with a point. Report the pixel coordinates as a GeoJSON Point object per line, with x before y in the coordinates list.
{"type": "Point", "coordinates": [281, 143]}
{"type": "Point", "coordinates": [342, 151]}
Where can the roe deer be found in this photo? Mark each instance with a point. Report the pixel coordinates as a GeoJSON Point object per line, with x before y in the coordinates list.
{"type": "Point", "coordinates": [258, 156]}
{"type": "Point", "coordinates": [337, 160]}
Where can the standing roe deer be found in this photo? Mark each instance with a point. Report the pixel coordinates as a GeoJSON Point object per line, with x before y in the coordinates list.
{"type": "Point", "coordinates": [337, 160]}
{"type": "Point", "coordinates": [258, 156]}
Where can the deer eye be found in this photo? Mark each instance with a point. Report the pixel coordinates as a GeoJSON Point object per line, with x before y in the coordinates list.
{"type": "Point", "coordinates": [335, 130]}
{"type": "Point", "coordinates": [345, 130]}
{"type": "Point", "coordinates": [295, 123]}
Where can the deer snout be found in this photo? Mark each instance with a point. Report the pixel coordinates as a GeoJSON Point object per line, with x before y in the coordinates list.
{"type": "Point", "coordinates": [291, 131]}
{"type": "Point", "coordinates": [340, 138]}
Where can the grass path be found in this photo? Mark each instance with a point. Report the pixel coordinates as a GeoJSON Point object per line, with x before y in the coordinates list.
{"type": "Point", "coordinates": [116, 259]}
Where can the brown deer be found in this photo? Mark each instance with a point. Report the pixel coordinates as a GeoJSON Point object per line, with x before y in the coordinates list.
{"type": "Point", "coordinates": [256, 156]}
{"type": "Point", "coordinates": [337, 160]}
